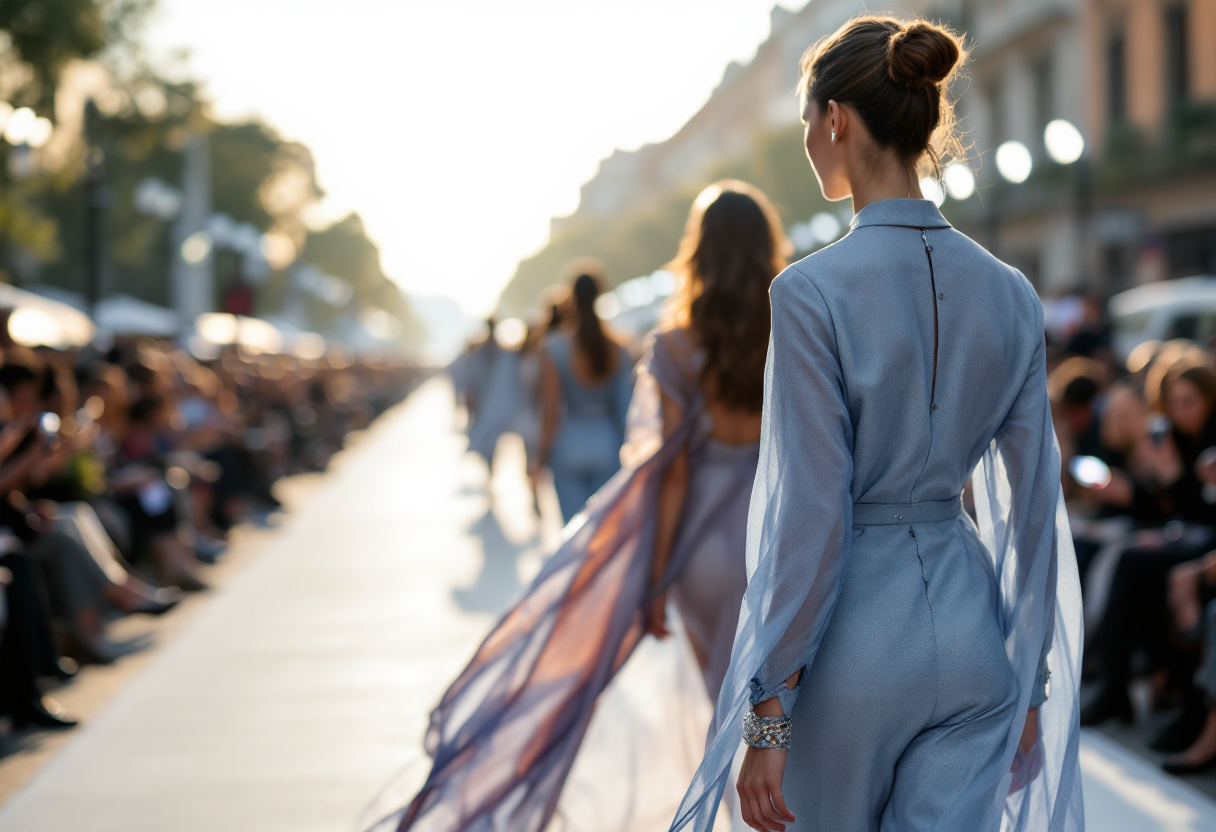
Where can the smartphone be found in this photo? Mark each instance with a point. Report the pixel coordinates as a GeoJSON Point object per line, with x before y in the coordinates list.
{"type": "Point", "coordinates": [1158, 427]}
{"type": "Point", "coordinates": [1089, 471]}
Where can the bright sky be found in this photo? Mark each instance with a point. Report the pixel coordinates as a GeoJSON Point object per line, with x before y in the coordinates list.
{"type": "Point", "coordinates": [457, 129]}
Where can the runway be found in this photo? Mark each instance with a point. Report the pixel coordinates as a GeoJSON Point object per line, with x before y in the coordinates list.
{"type": "Point", "coordinates": [304, 686]}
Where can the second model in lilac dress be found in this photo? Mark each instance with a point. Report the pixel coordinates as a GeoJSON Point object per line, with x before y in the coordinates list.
{"type": "Point", "coordinates": [506, 733]}
{"type": "Point", "coordinates": [707, 561]}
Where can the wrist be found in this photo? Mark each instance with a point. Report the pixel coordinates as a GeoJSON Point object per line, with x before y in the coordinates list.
{"type": "Point", "coordinates": [769, 707]}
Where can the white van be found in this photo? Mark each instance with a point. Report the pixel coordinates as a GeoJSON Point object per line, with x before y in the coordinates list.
{"type": "Point", "coordinates": [1183, 308]}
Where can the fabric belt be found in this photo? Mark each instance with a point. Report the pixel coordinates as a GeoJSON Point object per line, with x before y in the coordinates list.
{"type": "Point", "coordinates": [894, 514]}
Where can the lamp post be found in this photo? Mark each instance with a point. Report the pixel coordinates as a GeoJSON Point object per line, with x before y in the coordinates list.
{"type": "Point", "coordinates": [1066, 146]}
{"type": "Point", "coordinates": [93, 199]}
{"type": "Point", "coordinates": [1014, 164]}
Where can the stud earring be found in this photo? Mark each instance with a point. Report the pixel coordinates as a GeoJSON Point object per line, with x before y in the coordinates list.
{"type": "Point", "coordinates": [833, 137]}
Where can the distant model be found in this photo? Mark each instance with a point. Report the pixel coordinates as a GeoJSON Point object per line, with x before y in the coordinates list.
{"type": "Point", "coordinates": [585, 384]}
{"type": "Point", "coordinates": [896, 653]}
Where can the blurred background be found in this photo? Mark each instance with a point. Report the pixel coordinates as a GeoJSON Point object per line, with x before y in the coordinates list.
{"type": "Point", "coordinates": [352, 171]}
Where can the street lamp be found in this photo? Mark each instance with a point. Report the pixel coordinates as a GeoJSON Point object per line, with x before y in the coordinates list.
{"type": "Point", "coordinates": [931, 189]}
{"type": "Point", "coordinates": [1066, 146]}
{"type": "Point", "coordinates": [1013, 162]}
{"type": "Point", "coordinates": [960, 181]}
{"type": "Point", "coordinates": [1063, 141]}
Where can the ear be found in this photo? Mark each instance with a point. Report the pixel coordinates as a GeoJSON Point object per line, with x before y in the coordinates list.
{"type": "Point", "coordinates": [837, 119]}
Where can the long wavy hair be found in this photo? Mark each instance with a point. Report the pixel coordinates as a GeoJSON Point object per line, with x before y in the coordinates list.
{"type": "Point", "coordinates": [732, 249]}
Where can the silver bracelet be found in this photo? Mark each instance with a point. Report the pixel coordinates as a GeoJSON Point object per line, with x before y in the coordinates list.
{"type": "Point", "coordinates": [766, 731]}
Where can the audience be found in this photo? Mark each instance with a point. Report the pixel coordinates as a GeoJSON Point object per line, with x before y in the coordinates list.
{"type": "Point", "coordinates": [122, 473]}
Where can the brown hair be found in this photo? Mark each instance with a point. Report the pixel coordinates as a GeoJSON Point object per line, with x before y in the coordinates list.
{"type": "Point", "coordinates": [1199, 377]}
{"type": "Point", "coordinates": [589, 332]}
{"type": "Point", "coordinates": [895, 75]}
{"type": "Point", "coordinates": [732, 249]}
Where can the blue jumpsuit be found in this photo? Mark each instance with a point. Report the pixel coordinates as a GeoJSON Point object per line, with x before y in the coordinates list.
{"type": "Point", "coordinates": [904, 361]}
{"type": "Point", "coordinates": [586, 450]}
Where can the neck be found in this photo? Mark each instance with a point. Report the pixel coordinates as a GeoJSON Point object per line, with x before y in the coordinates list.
{"type": "Point", "coordinates": [890, 182]}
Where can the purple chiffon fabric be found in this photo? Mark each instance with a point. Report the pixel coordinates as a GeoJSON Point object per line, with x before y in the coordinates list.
{"type": "Point", "coordinates": [506, 733]}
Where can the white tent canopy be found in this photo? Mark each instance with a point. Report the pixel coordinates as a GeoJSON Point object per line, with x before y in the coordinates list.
{"type": "Point", "coordinates": [41, 321]}
{"type": "Point", "coordinates": [128, 315]}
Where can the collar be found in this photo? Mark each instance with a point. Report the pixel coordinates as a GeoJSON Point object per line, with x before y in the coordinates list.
{"type": "Point", "coordinates": [910, 213]}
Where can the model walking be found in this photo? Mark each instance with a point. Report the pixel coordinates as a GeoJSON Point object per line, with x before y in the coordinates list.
{"type": "Point", "coordinates": [505, 735]}
{"type": "Point", "coordinates": [585, 383]}
{"type": "Point", "coordinates": [896, 653]}
{"type": "Point", "coordinates": [709, 365]}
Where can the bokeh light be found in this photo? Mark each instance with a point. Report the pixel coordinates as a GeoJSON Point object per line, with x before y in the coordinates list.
{"type": "Point", "coordinates": [20, 124]}
{"type": "Point", "coordinates": [931, 189]}
{"type": "Point", "coordinates": [196, 248]}
{"type": "Point", "coordinates": [960, 181]}
{"type": "Point", "coordinates": [1064, 141]}
{"type": "Point", "coordinates": [825, 227]}
{"type": "Point", "coordinates": [1014, 162]}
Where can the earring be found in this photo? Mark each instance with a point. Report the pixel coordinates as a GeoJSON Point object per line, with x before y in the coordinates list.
{"type": "Point", "coordinates": [833, 137]}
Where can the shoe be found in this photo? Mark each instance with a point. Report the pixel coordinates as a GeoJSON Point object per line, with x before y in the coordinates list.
{"type": "Point", "coordinates": [91, 651]}
{"type": "Point", "coordinates": [64, 669]}
{"type": "Point", "coordinates": [1106, 706]}
{"type": "Point", "coordinates": [159, 603]}
{"type": "Point", "coordinates": [38, 715]}
{"type": "Point", "coordinates": [1179, 767]}
{"type": "Point", "coordinates": [1183, 730]}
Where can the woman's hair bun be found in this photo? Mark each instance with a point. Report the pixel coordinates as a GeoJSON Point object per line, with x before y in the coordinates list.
{"type": "Point", "coordinates": [922, 55]}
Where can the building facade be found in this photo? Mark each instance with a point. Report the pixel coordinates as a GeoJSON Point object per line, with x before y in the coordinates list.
{"type": "Point", "coordinates": [1137, 77]}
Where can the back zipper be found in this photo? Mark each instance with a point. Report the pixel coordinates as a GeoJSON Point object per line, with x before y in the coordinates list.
{"type": "Point", "coordinates": [933, 286]}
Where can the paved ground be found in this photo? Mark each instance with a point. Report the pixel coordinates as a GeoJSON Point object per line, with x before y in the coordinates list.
{"type": "Point", "coordinates": [298, 691]}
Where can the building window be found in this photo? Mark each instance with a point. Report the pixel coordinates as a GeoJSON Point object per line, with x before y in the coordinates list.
{"type": "Point", "coordinates": [1176, 58]}
{"type": "Point", "coordinates": [1116, 79]}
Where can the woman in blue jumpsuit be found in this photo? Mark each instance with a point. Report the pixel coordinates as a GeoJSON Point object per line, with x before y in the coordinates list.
{"type": "Point", "coordinates": [899, 651]}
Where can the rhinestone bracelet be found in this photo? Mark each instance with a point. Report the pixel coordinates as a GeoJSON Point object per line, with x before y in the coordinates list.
{"type": "Point", "coordinates": [766, 731]}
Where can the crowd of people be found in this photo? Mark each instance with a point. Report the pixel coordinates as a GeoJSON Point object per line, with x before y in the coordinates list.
{"type": "Point", "coordinates": [122, 473]}
{"type": "Point", "coordinates": [1138, 434]}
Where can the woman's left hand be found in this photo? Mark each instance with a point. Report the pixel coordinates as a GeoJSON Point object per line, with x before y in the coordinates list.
{"type": "Point", "coordinates": [1030, 731]}
{"type": "Point", "coordinates": [760, 800]}
{"type": "Point", "coordinates": [656, 618]}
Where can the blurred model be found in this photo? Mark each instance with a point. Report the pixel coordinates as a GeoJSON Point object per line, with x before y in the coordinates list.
{"type": "Point", "coordinates": [709, 369]}
{"type": "Point", "coordinates": [506, 733]}
{"type": "Point", "coordinates": [896, 654]}
{"type": "Point", "coordinates": [585, 385]}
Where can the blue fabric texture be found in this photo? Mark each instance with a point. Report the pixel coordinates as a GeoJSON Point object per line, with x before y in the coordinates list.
{"type": "Point", "coordinates": [904, 361]}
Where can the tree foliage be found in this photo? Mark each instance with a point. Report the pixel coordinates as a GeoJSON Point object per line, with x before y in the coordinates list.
{"type": "Point", "coordinates": [257, 176]}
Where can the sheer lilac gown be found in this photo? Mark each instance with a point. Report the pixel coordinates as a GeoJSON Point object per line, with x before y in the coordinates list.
{"type": "Point", "coordinates": [506, 733]}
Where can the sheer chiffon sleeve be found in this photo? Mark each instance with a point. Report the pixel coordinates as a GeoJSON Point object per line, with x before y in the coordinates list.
{"type": "Point", "coordinates": [1023, 524]}
{"type": "Point", "coordinates": [799, 527]}
{"type": "Point", "coordinates": [801, 512]}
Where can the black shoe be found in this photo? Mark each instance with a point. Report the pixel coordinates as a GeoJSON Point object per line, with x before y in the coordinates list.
{"type": "Point", "coordinates": [1183, 730]}
{"type": "Point", "coordinates": [1178, 767]}
{"type": "Point", "coordinates": [1109, 704]}
{"type": "Point", "coordinates": [160, 602]}
{"type": "Point", "coordinates": [64, 669]}
{"type": "Point", "coordinates": [37, 715]}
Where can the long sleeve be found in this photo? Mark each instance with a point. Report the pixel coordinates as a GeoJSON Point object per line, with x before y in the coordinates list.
{"type": "Point", "coordinates": [801, 512]}
{"type": "Point", "coordinates": [1023, 524]}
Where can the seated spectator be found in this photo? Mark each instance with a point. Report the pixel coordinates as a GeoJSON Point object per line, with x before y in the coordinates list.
{"type": "Point", "coordinates": [1136, 619]}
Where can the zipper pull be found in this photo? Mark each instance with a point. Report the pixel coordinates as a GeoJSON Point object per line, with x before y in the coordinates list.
{"type": "Point", "coordinates": [925, 240]}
